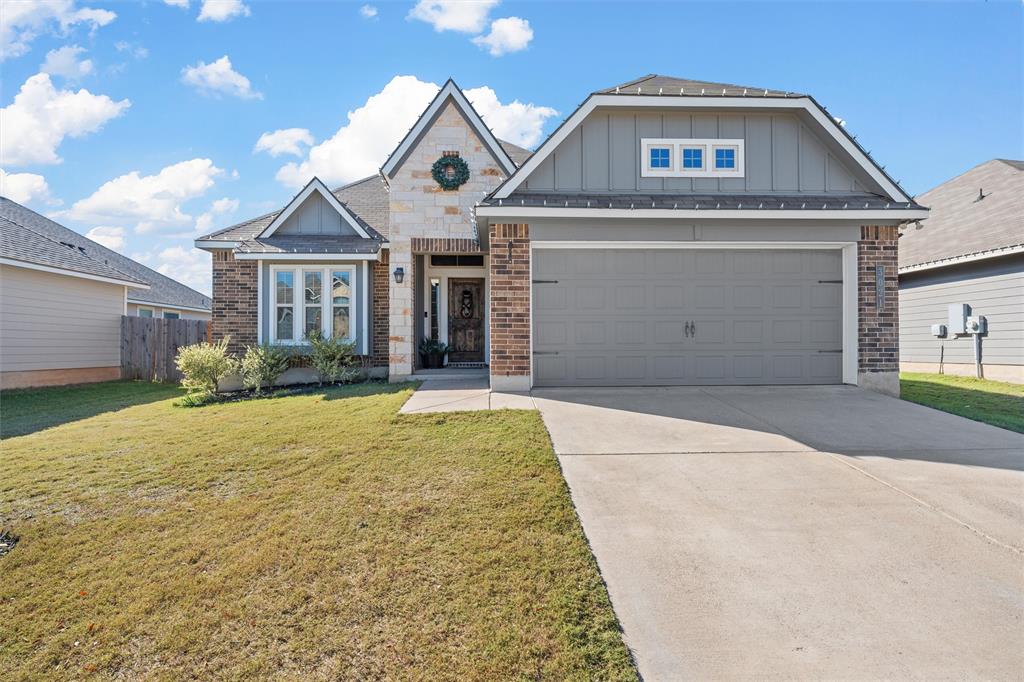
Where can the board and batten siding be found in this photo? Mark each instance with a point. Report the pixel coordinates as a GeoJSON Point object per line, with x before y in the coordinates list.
{"type": "Point", "coordinates": [994, 289]}
{"type": "Point", "coordinates": [315, 216]}
{"type": "Point", "coordinates": [782, 155]}
{"type": "Point", "coordinates": [50, 321]}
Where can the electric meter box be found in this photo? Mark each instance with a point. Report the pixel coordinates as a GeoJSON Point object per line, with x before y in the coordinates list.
{"type": "Point", "coordinates": [939, 330]}
{"type": "Point", "coordinates": [977, 325]}
{"type": "Point", "coordinates": [958, 313]}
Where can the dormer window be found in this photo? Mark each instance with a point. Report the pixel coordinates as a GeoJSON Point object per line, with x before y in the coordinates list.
{"type": "Point", "coordinates": [691, 158]}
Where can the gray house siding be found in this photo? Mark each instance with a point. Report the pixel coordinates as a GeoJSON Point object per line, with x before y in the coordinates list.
{"type": "Point", "coordinates": [994, 289]}
{"type": "Point", "coordinates": [782, 154]}
{"type": "Point", "coordinates": [315, 216]}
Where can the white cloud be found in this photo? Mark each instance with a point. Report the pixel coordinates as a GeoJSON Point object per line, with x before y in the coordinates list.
{"type": "Point", "coordinates": [191, 267]}
{"type": "Point", "coordinates": [219, 207]}
{"type": "Point", "coordinates": [40, 117]}
{"type": "Point", "coordinates": [23, 22]}
{"type": "Point", "coordinates": [368, 11]}
{"type": "Point", "coordinates": [64, 62]}
{"type": "Point", "coordinates": [284, 141]}
{"type": "Point", "coordinates": [510, 34]}
{"type": "Point", "coordinates": [23, 187]}
{"type": "Point", "coordinates": [219, 78]}
{"type": "Point", "coordinates": [177, 3]}
{"type": "Point", "coordinates": [522, 124]}
{"type": "Point", "coordinates": [222, 10]}
{"type": "Point", "coordinates": [373, 130]}
{"type": "Point", "coordinates": [464, 16]}
{"type": "Point", "coordinates": [137, 51]}
{"type": "Point", "coordinates": [110, 237]}
{"type": "Point", "coordinates": [151, 202]}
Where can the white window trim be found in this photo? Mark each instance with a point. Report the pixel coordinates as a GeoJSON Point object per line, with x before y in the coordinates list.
{"type": "Point", "coordinates": [299, 305]}
{"type": "Point", "coordinates": [139, 309]}
{"type": "Point", "coordinates": [164, 311]}
{"type": "Point", "coordinates": [678, 144]}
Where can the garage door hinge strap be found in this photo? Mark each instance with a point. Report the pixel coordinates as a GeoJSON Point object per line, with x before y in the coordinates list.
{"type": "Point", "coordinates": [545, 281]}
{"type": "Point", "coordinates": [545, 352]}
{"type": "Point", "coordinates": [830, 281]}
{"type": "Point", "coordinates": [831, 351]}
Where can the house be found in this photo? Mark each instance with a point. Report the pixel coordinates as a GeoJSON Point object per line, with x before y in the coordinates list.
{"type": "Point", "coordinates": [969, 251]}
{"type": "Point", "coordinates": [669, 232]}
{"type": "Point", "coordinates": [61, 301]}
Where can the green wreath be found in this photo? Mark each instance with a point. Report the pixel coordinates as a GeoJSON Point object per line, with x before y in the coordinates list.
{"type": "Point", "coordinates": [459, 173]}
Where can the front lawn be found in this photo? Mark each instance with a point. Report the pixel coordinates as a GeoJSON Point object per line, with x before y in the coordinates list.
{"type": "Point", "coordinates": [992, 402]}
{"type": "Point", "coordinates": [308, 537]}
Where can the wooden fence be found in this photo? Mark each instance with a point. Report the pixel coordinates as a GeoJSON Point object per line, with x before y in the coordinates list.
{"type": "Point", "coordinates": [149, 346]}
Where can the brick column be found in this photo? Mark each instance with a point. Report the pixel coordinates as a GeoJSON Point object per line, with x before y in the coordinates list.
{"type": "Point", "coordinates": [878, 342]}
{"type": "Point", "coordinates": [381, 310]}
{"type": "Point", "coordinates": [510, 307]}
{"type": "Point", "coordinates": [234, 300]}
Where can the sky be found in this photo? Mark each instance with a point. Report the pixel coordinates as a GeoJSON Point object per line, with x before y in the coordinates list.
{"type": "Point", "coordinates": [146, 124]}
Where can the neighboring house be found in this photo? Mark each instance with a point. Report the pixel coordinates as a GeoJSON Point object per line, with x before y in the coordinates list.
{"type": "Point", "coordinates": [969, 251]}
{"type": "Point", "coordinates": [669, 232]}
{"type": "Point", "coordinates": [61, 301]}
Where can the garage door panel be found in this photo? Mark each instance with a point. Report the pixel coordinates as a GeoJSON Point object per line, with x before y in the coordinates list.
{"type": "Point", "coordinates": [619, 317]}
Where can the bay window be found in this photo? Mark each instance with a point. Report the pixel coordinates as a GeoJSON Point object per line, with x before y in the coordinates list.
{"type": "Point", "coordinates": [316, 307]}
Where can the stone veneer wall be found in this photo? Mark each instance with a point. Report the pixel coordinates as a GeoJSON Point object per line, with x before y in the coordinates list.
{"type": "Point", "coordinates": [510, 307]}
{"type": "Point", "coordinates": [381, 309]}
{"type": "Point", "coordinates": [234, 300]}
{"type": "Point", "coordinates": [878, 356]}
{"type": "Point", "coordinates": [420, 209]}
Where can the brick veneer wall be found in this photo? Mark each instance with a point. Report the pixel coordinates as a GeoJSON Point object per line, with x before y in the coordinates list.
{"type": "Point", "coordinates": [878, 333]}
{"type": "Point", "coordinates": [234, 300]}
{"type": "Point", "coordinates": [445, 245]}
{"type": "Point", "coordinates": [381, 310]}
{"type": "Point", "coordinates": [510, 306]}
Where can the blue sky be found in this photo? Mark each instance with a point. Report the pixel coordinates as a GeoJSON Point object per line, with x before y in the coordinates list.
{"type": "Point", "coordinates": [125, 119]}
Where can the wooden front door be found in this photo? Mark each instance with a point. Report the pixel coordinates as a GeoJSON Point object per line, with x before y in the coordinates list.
{"type": "Point", "coordinates": [466, 319]}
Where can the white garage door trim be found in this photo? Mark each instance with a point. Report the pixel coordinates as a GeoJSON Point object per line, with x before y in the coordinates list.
{"type": "Point", "coordinates": [849, 255]}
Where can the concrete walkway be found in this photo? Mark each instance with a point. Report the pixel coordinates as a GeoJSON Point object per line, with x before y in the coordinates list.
{"type": "Point", "coordinates": [799, 533]}
{"type": "Point", "coordinates": [460, 392]}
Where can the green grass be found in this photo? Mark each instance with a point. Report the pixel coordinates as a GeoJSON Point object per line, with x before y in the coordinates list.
{"type": "Point", "coordinates": [993, 402]}
{"type": "Point", "coordinates": [317, 536]}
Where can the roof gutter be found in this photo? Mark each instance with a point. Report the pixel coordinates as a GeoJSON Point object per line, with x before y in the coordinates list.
{"type": "Point", "coordinates": [890, 214]}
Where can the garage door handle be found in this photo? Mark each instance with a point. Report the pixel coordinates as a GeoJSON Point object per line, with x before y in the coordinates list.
{"type": "Point", "coordinates": [545, 352]}
{"type": "Point", "coordinates": [830, 281]}
{"type": "Point", "coordinates": [545, 281]}
{"type": "Point", "coordinates": [831, 351]}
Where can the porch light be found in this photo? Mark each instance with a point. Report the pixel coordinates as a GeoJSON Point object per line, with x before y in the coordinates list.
{"type": "Point", "coordinates": [399, 275]}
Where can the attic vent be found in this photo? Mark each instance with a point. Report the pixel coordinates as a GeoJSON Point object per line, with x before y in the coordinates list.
{"type": "Point", "coordinates": [73, 247]}
{"type": "Point", "coordinates": [449, 153]}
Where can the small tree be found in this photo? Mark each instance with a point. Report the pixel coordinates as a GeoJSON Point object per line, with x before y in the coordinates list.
{"type": "Point", "coordinates": [204, 365]}
{"type": "Point", "coordinates": [263, 365]}
{"type": "Point", "coordinates": [333, 359]}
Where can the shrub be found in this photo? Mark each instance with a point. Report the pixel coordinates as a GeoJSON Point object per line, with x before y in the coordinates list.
{"type": "Point", "coordinates": [204, 364]}
{"type": "Point", "coordinates": [262, 365]}
{"type": "Point", "coordinates": [333, 359]}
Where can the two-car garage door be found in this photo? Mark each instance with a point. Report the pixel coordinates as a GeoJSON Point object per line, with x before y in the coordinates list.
{"type": "Point", "coordinates": [678, 316]}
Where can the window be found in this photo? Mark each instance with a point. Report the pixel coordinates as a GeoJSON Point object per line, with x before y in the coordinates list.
{"type": "Point", "coordinates": [447, 260]}
{"type": "Point", "coordinates": [145, 312]}
{"type": "Point", "coordinates": [284, 306]}
{"type": "Point", "coordinates": [661, 157]}
{"type": "Point", "coordinates": [325, 302]}
{"type": "Point", "coordinates": [725, 157]}
{"type": "Point", "coordinates": [171, 316]}
{"type": "Point", "coordinates": [691, 158]}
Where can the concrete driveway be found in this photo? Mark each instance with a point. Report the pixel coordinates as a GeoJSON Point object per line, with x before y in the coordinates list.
{"type": "Point", "coordinates": [804, 532]}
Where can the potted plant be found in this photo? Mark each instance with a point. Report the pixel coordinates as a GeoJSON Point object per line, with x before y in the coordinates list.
{"type": "Point", "coordinates": [432, 353]}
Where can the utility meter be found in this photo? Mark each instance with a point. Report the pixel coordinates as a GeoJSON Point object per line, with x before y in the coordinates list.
{"type": "Point", "coordinates": [977, 325]}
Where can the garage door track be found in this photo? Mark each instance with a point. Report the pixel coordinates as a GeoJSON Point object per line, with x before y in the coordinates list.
{"type": "Point", "coordinates": [799, 532]}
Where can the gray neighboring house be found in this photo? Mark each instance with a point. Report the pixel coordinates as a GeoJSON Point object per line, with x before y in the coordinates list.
{"type": "Point", "coordinates": [61, 301]}
{"type": "Point", "coordinates": [970, 250]}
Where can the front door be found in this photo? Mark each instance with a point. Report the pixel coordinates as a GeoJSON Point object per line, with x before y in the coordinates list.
{"type": "Point", "coordinates": [466, 319]}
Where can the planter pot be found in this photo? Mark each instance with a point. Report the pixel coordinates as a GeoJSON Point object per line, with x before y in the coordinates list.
{"type": "Point", "coordinates": [432, 360]}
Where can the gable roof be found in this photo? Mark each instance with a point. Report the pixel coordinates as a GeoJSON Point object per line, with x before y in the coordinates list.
{"type": "Point", "coordinates": [316, 185]}
{"type": "Point", "coordinates": [963, 226]}
{"type": "Point", "coordinates": [667, 91]}
{"type": "Point", "coordinates": [448, 91]}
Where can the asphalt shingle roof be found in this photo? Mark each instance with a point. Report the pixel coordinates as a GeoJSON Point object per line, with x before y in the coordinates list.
{"type": "Point", "coordinates": [961, 224]}
{"type": "Point", "coordinates": [162, 290]}
{"type": "Point", "coordinates": [367, 199]}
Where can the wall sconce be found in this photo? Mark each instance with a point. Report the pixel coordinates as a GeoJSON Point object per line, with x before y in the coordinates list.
{"type": "Point", "coordinates": [399, 275]}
